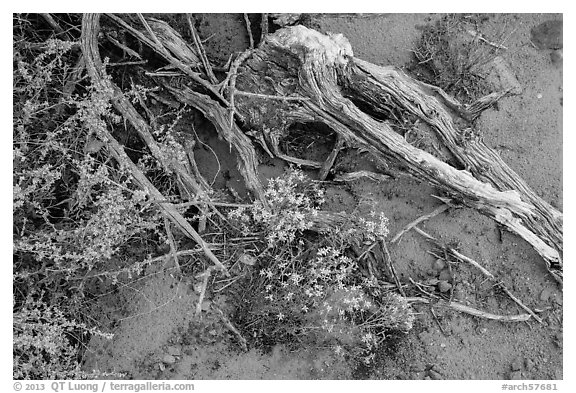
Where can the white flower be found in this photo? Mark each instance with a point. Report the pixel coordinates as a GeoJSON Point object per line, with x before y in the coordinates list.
{"type": "Point", "coordinates": [280, 316]}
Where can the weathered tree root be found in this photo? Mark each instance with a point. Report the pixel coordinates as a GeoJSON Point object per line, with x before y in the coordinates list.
{"type": "Point", "coordinates": [299, 62]}
{"type": "Point", "coordinates": [315, 78]}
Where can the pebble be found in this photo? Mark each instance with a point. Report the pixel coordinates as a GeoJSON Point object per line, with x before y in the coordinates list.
{"type": "Point", "coordinates": [418, 375]}
{"type": "Point", "coordinates": [444, 286]}
{"type": "Point", "coordinates": [515, 375]}
{"type": "Point", "coordinates": [174, 351]}
{"type": "Point", "coordinates": [556, 57]}
{"type": "Point", "coordinates": [439, 264]}
{"type": "Point", "coordinates": [445, 275]}
{"type": "Point", "coordinates": [517, 364]}
{"type": "Point", "coordinates": [545, 294]}
{"type": "Point", "coordinates": [435, 375]}
{"type": "Point", "coordinates": [169, 359]}
{"type": "Point", "coordinates": [529, 364]}
{"type": "Point", "coordinates": [206, 305]}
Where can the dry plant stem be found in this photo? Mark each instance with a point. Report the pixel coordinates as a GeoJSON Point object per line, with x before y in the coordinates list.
{"type": "Point", "coordinates": [201, 51]}
{"type": "Point", "coordinates": [357, 175]}
{"type": "Point", "coordinates": [434, 213]}
{"type": "Point", "coordinates": [264, 27]}
{"type": "Point", "coordinates": [173, 249]}
{"type": "Point", "coordinates": [500, 284]}
{"type": "Point", "coordinates": [479, 36]}
{"type": "Point", "coordinates": [52, 22]}
{"type": "Point", "coordinates": [124, 48]}
{"type": "Point", "coordinates": [89, 41]}
{"type": "Point", "coordinates": [232, 328]}
{"type": "Point", "coordinates": [161, 50]}
{"type": "Point", "coordinates": [249, 29]}
{"type": "Point", "coordinates": [390, 265]}
{"type": "Point", "coordinates": [472, 311]}
{"type": "Point", "coordinates": [484, 271]}
{"type": "Point", "coordinates": [329, 163]}
{"type": "Point", "coordinates": [205, 276]}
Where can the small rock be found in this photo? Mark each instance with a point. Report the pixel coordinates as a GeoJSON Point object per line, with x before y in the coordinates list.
{"type": "Point", "coordinates": [168, 359]}
{"type": "Point", "coordinates": [161, 367]}
{"type": "Point", "coordinates": [529, 364]}
{"type": "Point", "coordinates": [556, 57]}
{"type": "Point", "coordinates": [436, 368]}
{"type": "Point", "coordinates": [247, 259]}
{"type": "Point", "coordinates": [432, 281]}
{"type": "Point", "coordinates": [438, 264]}
{"type": "Point", "coordinates": [545, 294]}
{"type": "Point", "coordinates": [445, 275]}
{"type": "Point", "coordinates": [459, 293]}
{"type": "Point", "coordinates": [539, 95]}
{"type": "Point", "coordinates": [435, 375]}
{"type": "Point", "coordinates": [516, 364]}
{"type": "Point", "coordinates": [515, 375]}
{"type": "Point", "coordinates": [444, 286]}
{"type": "Point", "coordinates": [206, 305]}
{"type": "Point", "coordinates": [418, 375]}
{"type": "Point", "coordinates": [174, 350]}
{"type": "Point", "coordinates": [213, 332]}
{"type": "Point", "coordinates": [427, 377]}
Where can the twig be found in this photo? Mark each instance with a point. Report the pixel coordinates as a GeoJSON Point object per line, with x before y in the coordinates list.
{"type": "Point", "coordinates": [50, 20]}
{"type": "Point", "coordinates": [201, 51]}
{"type": "Point", "coordinates": [205, 276]}
{"type": "Point", "coordinates": [249, 29]}
{"type": "Point", "coordinates": [230, 326]}
{"type": "Point", "coordinates": [269, 97]}
{"type": "Point", "coordinates": [472, 311]}
{"type": "Point", "coordinates": [499, 284]}
{"type": "Point", "coordinates": [329, 163]}
{"type": "Point", "coordinates": [231, 77]}
{"type": "Point", "coordinates": [479, 36]}
{"type": "Point", "coordinates": [124, 48]}
{"type": "Point", "coordinates": [155, 44]}
{"type": "Point", "coordinates": [127, 63]}
{"type": "Point", "coordinates": [391, 266]}
{"type": "Point", "coordinates": [173, 250]}
{"type": "Point", "coordinates": [434, 213]}
{"type": "Point", "coordinates": [352, 176]}
{"type": "Point", "coordinates": [264, 27]}
{"type": "Point", "coordinates": [485, 272]}
{"type": "Point", "coordinates": [419, 287]}
{"type": "Point", "coordinates": [438, 321]}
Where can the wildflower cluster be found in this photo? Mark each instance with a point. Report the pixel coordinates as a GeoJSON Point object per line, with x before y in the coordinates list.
{"type": "Point", "coordinates": [292, 201]}
{"type": "Point", "coordinates": [316, 288]}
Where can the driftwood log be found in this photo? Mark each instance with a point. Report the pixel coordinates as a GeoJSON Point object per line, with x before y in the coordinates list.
{"type": "Point", "coordinates": [297, 76]}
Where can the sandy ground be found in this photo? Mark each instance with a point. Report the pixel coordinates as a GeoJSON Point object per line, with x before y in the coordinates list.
{"type": "Point", "coordinates": [157, 336]}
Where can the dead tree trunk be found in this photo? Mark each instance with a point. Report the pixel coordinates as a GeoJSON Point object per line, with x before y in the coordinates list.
{"type": "Point", "coordinates": [298, 75]}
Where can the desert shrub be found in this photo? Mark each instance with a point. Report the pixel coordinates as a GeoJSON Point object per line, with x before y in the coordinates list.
{"type": "Point", "coordinates": [447, 56]}
{"type": "Point", "coordinates": [74, 210]}
{"type": "Point", "coordinates": [308, 286]}
{"type": "Point", "coordinates": [46, 341]}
